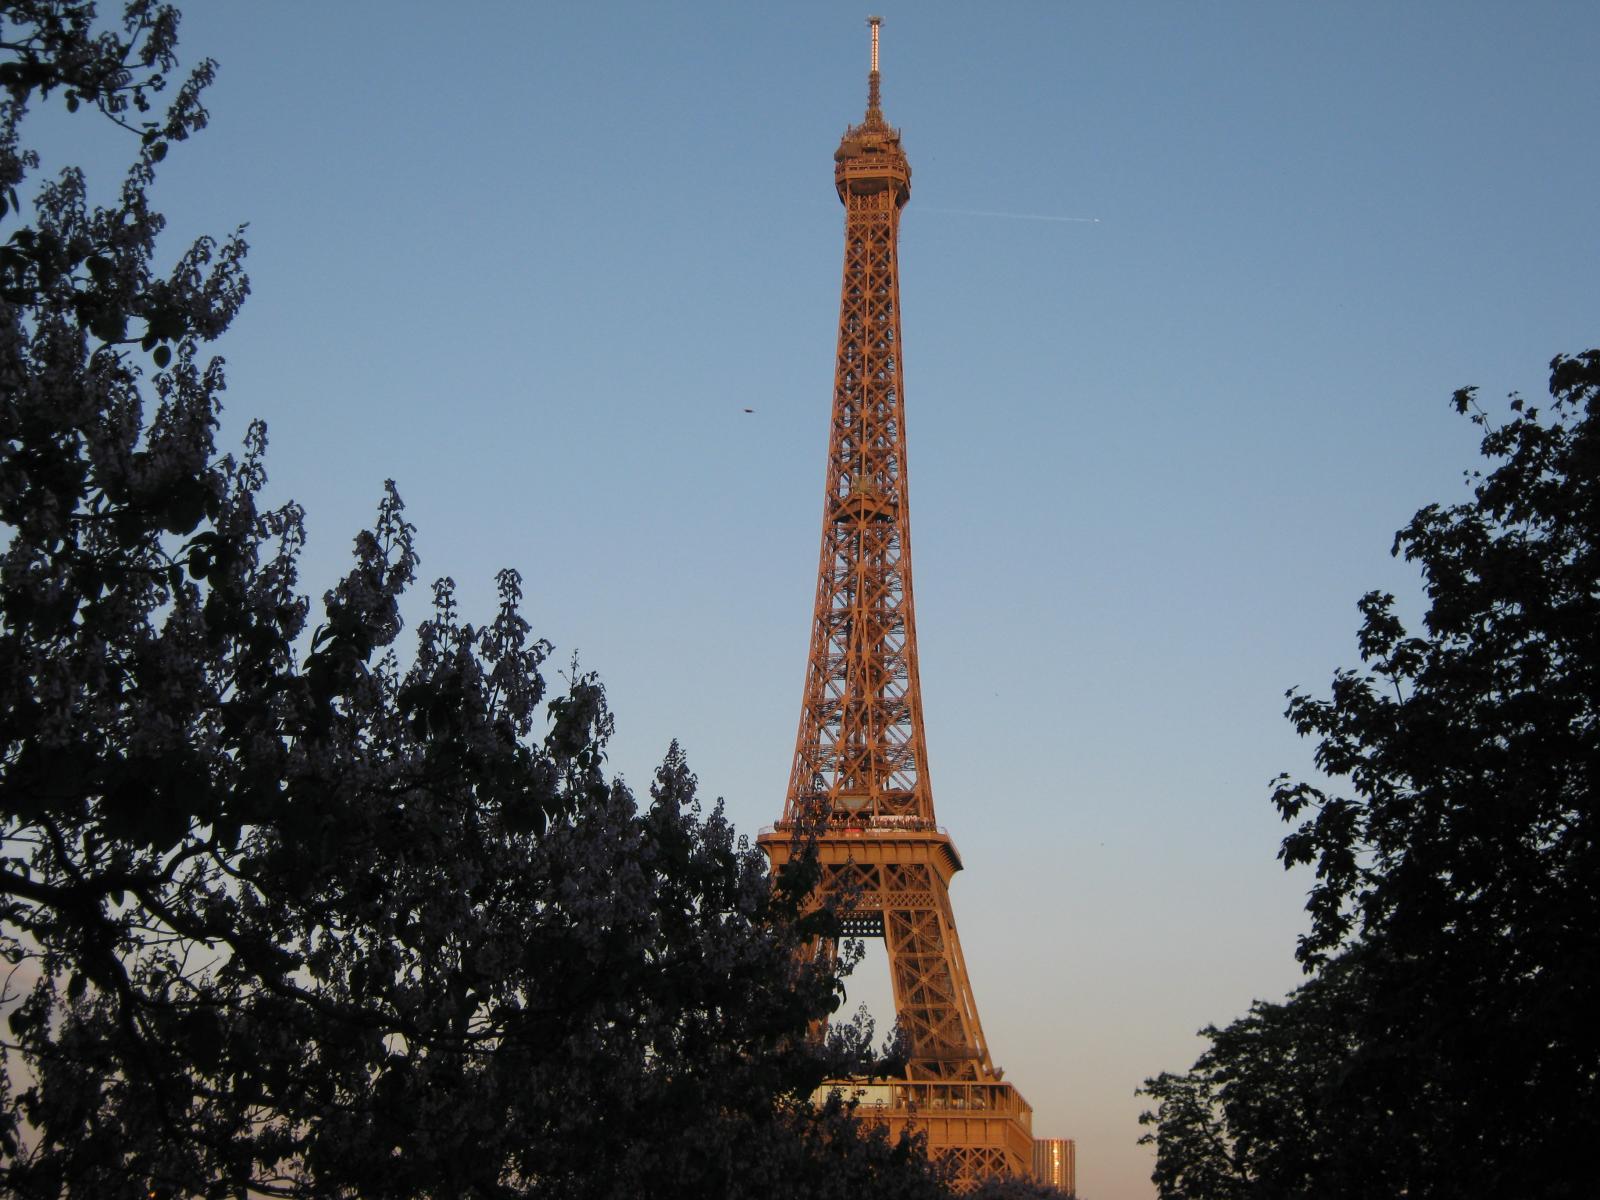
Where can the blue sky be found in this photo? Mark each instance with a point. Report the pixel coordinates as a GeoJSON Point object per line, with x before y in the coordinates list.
{"type": "Point", "coordinates": [534, 260]}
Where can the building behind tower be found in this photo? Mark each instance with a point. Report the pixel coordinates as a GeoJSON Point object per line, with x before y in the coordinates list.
{"type": "Point", "coordinates": [1055, 1163]}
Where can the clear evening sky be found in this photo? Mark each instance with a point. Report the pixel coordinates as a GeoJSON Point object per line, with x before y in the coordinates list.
{"type": "Point", "coordinates": [534, 261]}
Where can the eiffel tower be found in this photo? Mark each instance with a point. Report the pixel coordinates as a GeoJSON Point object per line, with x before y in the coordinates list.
{"type": "Point", "coordinates": [860, 772]}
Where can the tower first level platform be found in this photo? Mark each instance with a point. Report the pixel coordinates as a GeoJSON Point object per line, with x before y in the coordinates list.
{"type": "Point", "coordinates": [981, 1129]}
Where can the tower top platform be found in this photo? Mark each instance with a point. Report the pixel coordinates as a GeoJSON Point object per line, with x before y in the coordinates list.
{"type": "Point", "coordinates": [869, 159]}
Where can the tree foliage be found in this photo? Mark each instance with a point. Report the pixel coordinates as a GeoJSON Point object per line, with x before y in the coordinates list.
{"type": "Point", "coordinates": [289, 914]}
{"type": "Point", "coordinates": [1445, 1044]}
{"type": "Point", "coordinates": [1254, 1116]}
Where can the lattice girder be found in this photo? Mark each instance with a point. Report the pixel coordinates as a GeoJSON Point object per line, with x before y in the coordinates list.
{"type": "Point", "coordinates": [891, 879]}
{"type": "Point", "coordinates": [859, 748]}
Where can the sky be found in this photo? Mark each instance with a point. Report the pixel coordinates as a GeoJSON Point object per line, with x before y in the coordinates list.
{"type": "Point", "coordinates": [533, 261]}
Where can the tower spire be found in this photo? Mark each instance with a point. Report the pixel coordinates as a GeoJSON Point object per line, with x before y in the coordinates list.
{"type": "Point", "coordinates": [873, 99]}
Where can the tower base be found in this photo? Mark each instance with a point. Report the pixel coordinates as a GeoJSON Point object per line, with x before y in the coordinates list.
{"type": "Point", "coordinates": [979, 1129]}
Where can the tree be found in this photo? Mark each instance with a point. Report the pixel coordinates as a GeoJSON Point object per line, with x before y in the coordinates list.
{"type": "Point", "coordinates": [1255, 1116]}
{"type": "Point", "coordinates": [289, 915]}
{"type": "Point", "coordinates": [1455, 919]}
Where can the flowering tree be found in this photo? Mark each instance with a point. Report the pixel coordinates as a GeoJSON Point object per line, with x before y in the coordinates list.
{"type": "Point", "coordinates": [289, 914]}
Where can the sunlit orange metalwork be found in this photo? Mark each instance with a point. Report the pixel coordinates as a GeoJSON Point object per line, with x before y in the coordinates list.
{"type": "Point", "coordinates": [860, 773]}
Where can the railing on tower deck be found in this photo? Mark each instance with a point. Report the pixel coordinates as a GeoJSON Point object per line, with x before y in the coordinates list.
{"type": "Point", "coordinates": [903, 1098]}
{"type": "Point", "coordinates": [886, 825]}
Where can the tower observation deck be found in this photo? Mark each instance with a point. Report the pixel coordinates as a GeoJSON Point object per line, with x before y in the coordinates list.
{"type": "Point", "coordinates": [860, 772]}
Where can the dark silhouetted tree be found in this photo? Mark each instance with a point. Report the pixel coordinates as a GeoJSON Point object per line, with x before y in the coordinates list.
{"type": "Point", "coordinates": [1254, 1116]}
{"type": "Point", "coordinates": [1445, 1046]}
{"type": "Point", "coordinates": [288, 914]}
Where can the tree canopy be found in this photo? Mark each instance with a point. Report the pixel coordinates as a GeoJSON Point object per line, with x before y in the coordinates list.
{"type": "Point", "coordinates": [290, 912]}
{"type": "Point", "coordinates": [1444, 1045]}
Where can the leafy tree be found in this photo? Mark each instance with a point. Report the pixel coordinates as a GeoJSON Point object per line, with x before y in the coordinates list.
{"type": "Point", "coordinates": [287, 915]}
{"type": "Point", "coordinates": [1254, 1116]}
{"type": "Point", "coordinates": [1445, 1046]}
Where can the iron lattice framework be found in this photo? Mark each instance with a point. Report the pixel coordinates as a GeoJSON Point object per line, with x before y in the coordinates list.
{"type": "Point", "coordinates": [860, 775]}
{"type": "Point", "coordinates": [860, 745]}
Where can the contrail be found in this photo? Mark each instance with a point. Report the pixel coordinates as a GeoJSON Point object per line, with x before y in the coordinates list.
{"type": "Point", "coordinates": [1010, 216]}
